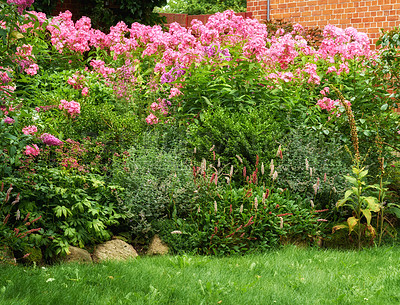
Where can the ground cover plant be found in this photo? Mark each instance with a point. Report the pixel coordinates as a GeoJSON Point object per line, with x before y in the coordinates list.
{"type": "Point", "coordinates": [252, 132]}
{"type": "Point", "coordinates": [287, 276]}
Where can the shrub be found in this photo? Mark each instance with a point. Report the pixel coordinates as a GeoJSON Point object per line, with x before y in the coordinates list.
{"type": "Point", "coordinates": [245, 133]}
{"type": "Point", "coordinates": [157, 184]}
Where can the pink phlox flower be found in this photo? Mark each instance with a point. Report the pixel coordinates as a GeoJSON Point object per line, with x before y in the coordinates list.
{"type": "Point", "coordinates": [31, 129]}
{"type": "Point", "coordinates": [151, 119]}
{"type": "Point", "coordinates": [9, 120]}
{"type": "Point", "coordinates": [73, 108]}
{"type": "Point", "coordinates": [21, 4]}
{"type": "Point", "coordinates": [174, 92]}
{"type": "Point", "coordinates": [32, 150]}
{"type": "Point", "coordinates": [325, 91]}
{"type": "Point", "coordinates": [50, 140]}
{"type": "Point", "coordinates": [327, 103]}
{"type": "Point", "coordinates": [311, 69]}
{"type": "Point", "coordinates": [85, 91]}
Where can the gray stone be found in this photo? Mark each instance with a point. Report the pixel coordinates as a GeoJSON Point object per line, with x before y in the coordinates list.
{"type": "Point", "coordinates": [115, 249]}
{"type": "Point", "coordinates": [157, 246]}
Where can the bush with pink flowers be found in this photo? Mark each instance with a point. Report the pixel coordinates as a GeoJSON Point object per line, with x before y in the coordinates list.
{"type": "Point", "coordinates": [73, 99]}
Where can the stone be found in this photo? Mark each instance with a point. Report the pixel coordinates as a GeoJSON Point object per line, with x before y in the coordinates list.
{"type": "Point", "coordinates": [78, 255]}
{"type": "Point", "coordinates": [157, 246]}
{"type": "Point", "coordinates": [115, 249]}
{"type": "Point", "coordinates": [7, 256]}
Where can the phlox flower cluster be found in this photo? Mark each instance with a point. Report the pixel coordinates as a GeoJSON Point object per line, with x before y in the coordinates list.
{"type": "Point", "coordinates": [25, 59]}
{"type": "Point", "coordinates": [78, 81]}
{"type": "Point", "coordinates": [328, 104]}
{"type": "Point", "coordinates": [21, 4]}
{"type": "Point", "coordinates": [31, 129]}
{"type": "Point", "coordinates": [161, 106]}
{"type": "Point", "coordinates": [41, 18]}
{"type": "Point", "coordinates": [65, 34]}
{"type": "Point", "coordinates": [32, 150]}
{"type": "Point", "coordinates": [50, 140]}
{"type": "Point", "coordinates": [4, 75]}
{"type": "Point", "coordinates": [224, 37]}
{"type": "Point", "coordinates": [8, 120]}
{"type": "Point", "coordinates": [73, 108]}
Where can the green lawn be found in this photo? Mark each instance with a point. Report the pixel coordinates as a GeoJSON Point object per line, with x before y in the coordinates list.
{"type": "Point", "coordinates": [286, 276]}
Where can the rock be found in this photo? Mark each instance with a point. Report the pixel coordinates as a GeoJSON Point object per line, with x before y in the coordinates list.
{"type": "Point", "coordinates": [157, 246]}
{"type": "Point", "coordinates": [115, 249]}
{"type": "Point", "coordinates": [78, 255]}
{"type": "Point", "coordinates": [7, 256]}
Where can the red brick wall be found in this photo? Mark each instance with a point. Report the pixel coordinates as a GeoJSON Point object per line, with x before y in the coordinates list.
{"type": "Point", "coordinates": [186, 20]}
{"type": "Point", "coordinates": [366, 16]}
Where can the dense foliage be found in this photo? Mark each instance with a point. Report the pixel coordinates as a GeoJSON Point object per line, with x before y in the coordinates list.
{"type": "Point", "coordinates": [233, 137]}
{"type": "Point", "coordinates": [198, 7]}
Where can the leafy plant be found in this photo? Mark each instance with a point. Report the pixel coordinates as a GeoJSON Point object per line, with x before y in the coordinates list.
{"type": "Point", "coordinates": [157, 184]}
{"type": "Point", "coordinates": [360, 205]}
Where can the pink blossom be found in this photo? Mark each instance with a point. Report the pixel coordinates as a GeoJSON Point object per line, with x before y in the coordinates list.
{"type": "Point", "coordinates": [327, 103]}
{"type": "Point", "coordinates": [21, 4]}
{"type": "Point", "coordinates": [85, 91]}
{"type": "Point", "coordinates": [151, 119]}
{"type": "Point", "coordinates": [32, 150]}
{"type": "Point", "coordinates": [50, 140]}
{"type": "Point", "coordinates": [174, 92]}
{"type": "Point", "coordinates": [325, 91]}
{"type": "Point", "coordinates": [73, 108]}
{"type": "Point", "coordinates": [8, 120]}
{"type": "Point", "coordinates": [31, 129]}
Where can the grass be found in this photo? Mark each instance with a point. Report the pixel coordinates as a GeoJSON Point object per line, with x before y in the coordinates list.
{"type": "Point", "coordinates": [286, 276]}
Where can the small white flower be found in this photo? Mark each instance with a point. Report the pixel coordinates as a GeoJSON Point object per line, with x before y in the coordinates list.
{"type": "Point", "coordinates": [176, 232]}
{"type": "Point", "coordinates": [50, 279]}
{"type": "Point", "coordinates": [275, 175]}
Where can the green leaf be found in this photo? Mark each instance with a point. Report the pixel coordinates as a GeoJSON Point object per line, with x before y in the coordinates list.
{"type": "Point", "coordinates": [207, 101]}
{"type": "Point", "coordinates": [363, 174]}
{"type": "Point", "coordinates": [351, 179]}
{"type": "Point", "coordinates": [341, 202]}
{"type": "Point", "coordinates": [384, 107]}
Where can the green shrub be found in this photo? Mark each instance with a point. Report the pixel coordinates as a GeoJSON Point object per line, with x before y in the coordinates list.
{"type": "Point", "coordinates": [157, 184]}
{"type": "Point", "coordinates": [309, 157]}
{"type": "Point", "coordinates": [247, 134]}
{"type": "Point", "coordinates": [76, 208]}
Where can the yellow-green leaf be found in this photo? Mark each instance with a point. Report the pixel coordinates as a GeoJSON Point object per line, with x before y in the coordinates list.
{"type": "Point", "coordinates": [352, 180]}
{"type": "Point", "coordinates": [371, 230]}
{"type": "Point", "coordinates": [352, 222]}
{"type": "Point", "coordinates": [363, 174]}
{"type": "Point", "coordinates": [367, 214]}
{"type": "Point", "coordinates": [348, 194]}
{"type": "Point", "coordinates": [338, 227]}
{"type": "Point", "coordinates": [372, 204]}
{"type": "Point", "coordinates": [17, 35]}
{"type": "Point", "coordinates": [341, 202]}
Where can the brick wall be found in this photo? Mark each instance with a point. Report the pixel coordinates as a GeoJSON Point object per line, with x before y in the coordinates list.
{"type": "Point", "coordinates": [366, 16]}
{"type": "Point", "coordinates": [186, 20]}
